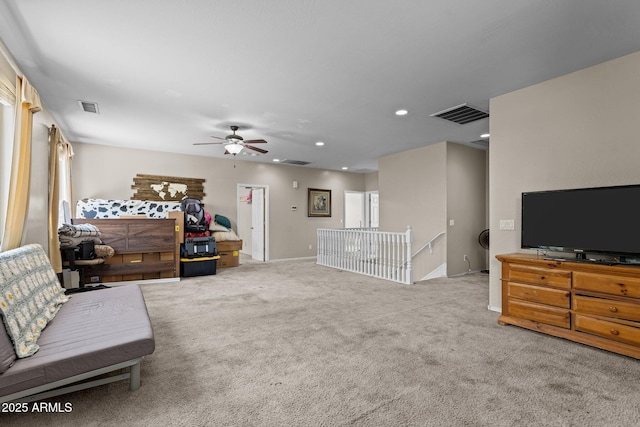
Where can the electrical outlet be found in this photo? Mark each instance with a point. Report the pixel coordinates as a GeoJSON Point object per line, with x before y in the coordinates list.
{"type": "Point", "coordinates": [507, 224]}
{"type": "Point", "coordinates": [310, 246]}
{"type": "Point", "coordinates": [465, 258]}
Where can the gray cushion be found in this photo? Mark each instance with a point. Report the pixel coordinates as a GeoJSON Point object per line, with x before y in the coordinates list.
{"type": "Point", "coordinates": [7, 353]}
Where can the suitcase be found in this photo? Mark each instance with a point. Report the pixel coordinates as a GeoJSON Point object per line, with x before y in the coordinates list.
{"type": "Point", "coordinates": [200, 247]}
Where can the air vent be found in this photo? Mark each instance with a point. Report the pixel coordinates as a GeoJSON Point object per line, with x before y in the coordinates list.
{"type": "Point", "coordinates": [461, 114]}
{"type": "Point", "coordinates": [89, 107]}
{"type": "Point", "coordinates": [481, 143]}
{"type": "Point", "coordinates": [294, 162]}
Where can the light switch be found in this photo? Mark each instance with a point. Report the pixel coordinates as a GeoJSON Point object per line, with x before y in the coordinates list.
{"type": "Point", "coordinates": [451, 223]}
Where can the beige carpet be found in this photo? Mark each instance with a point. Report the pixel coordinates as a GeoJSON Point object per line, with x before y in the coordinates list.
{"type": "Point", "coordinates": [296, 344]}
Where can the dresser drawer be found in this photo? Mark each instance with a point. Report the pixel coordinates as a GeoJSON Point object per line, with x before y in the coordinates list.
{"type": "Point", "coordinates": [540, 313]}
{"type": "Point", "coordinates": [614, 285]}
{"type": "Point", "coordinates": [555, 297]}
{"type": "Point", "coordinates": [606, 329]}
{"type": "Point", "coordinates": [606, 307]}
{"type": "Point", "coordinates": [540, 276]}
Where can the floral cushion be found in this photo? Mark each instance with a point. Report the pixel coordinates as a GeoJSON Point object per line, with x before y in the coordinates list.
{"type": "Point", "coordinates": [30, 296]}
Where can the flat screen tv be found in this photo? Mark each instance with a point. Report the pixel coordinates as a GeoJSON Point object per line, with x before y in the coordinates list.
{"type": "Point", "coordinates": [604, 220]}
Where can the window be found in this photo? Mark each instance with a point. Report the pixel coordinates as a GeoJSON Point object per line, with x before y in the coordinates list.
{"type": "Point", "coordinates": [7, 116]}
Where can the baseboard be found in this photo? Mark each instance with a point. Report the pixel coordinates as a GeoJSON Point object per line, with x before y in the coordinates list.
{"type": "Point", "coordinates": [496, 309]}
{"type": "Point", "coordinates": [440, 271]}
{"type": "Point", "coordinates": [465, 273]}
{"type": "Point", "coordinates": [294, 259]}
{"type": "Point", "coordinates": [137, 282]}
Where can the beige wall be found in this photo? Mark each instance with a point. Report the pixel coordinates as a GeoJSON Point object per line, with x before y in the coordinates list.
{"type": "Point", "coordinates": [425, 188]}
{"type": "Point", "coordinates": [371, 181]}
{"type": "Point", "coordinates": [412, 188]}
{"type": "Point", "coordinates": [107, 172]}
{"type": "Point", "coordinates": [578, 130]}
{"type": "Point", "coordinates": [466, 206]}
{"type": "Point", "coordinates": [36, 226]}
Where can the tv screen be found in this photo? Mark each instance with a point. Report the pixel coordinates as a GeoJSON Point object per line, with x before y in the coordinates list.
{"type": "Point", "coordinates": [598, 220]}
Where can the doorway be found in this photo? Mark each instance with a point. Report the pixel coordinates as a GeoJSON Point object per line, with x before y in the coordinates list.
{"type": "Point", "coordinates": [253, 220]}
{"type": "Point", "coordinates": [361, 209]}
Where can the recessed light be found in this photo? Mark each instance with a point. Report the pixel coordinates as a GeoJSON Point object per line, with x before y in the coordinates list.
{"type": "Point", "coordinates": [401, 112]}
{"type": "Point", "coordinates": [276, 160]}
{"type": "Point", "coordinates": [484, 135]}
{"type": "Point", "coordinates": [319, 143]}
{"type": "Point", "coordinates": [344, 168]}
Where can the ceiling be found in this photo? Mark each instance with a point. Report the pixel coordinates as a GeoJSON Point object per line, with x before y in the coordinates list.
{"type": "Point", "coordinates": [167, 74]}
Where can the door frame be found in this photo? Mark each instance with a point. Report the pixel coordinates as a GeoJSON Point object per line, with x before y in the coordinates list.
{"type": "Point", "coordinates": [239, 194]}
{"type": "Point", "coordinates": [368, 208]}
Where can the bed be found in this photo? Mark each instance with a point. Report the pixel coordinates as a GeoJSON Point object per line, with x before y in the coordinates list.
{"type": "Point", "coordinates": [146, 237]}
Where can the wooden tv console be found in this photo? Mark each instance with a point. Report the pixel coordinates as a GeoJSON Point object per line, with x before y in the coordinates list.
{"type": "Point", "coordinates": [594, 304]}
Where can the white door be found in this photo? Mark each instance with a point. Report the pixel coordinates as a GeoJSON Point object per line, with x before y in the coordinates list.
{"type": "Point", "coordinates": [257, 224]}
{"type": "Point", "coordinates": [354, 209]}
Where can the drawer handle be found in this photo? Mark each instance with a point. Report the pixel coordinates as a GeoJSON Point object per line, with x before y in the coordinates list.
{"type": "Point", "coordinates": [613, 309]}
{"type": "Point", "coordinates": [615, 332]}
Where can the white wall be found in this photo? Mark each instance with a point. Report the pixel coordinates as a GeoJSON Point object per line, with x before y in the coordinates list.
{"type": "Point", "coordinates": [578, 130]}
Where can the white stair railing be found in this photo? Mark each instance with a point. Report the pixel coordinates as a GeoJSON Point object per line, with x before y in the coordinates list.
{"type": "Point", "coordinates": [382, 254]}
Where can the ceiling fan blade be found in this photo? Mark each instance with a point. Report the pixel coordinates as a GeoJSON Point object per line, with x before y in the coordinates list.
{"type": "Point", "coordinates": [259, 150]}
{"type": "Point", "coordinates": [207, 143]}
{"type": "Point", "coordinates": [217, 137]}
{"type": "Point", "coordinates": [255, 141]}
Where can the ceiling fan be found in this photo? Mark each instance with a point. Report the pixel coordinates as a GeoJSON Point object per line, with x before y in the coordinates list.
{"type": "Point", "coordinates": [234, 143]}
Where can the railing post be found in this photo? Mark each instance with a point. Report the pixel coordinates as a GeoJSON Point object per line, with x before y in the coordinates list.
{"type": "Point", "coordinates": [409, 278]}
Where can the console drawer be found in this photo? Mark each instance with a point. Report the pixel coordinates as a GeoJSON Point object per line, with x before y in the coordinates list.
{"type": "Point", "coordinates": [555, 297]}
{"type": "Point", "coordinates": [540, 313]}
{"type": "Point", "coordinates": [540, 276]}
{"type": "Point", "coordinates": [606, 329]}
{"type": "Point", "coordinates": [614, 285]}
{"type": "Point", "coordinates": [607, 307]}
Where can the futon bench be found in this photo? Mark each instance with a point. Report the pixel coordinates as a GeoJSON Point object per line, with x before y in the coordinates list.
{"type": "Point", "coordinates": [93, 334]}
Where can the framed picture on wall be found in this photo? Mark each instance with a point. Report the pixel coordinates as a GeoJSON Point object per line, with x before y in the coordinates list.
{"type": "Point", "coordinates": [319, 202]}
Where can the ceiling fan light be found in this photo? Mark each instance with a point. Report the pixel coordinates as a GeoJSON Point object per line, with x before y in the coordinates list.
{"type": "Point", "coordinates": [234, 148]}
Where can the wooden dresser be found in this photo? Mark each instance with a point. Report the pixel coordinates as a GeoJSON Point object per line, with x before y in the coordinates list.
{"type": "Point", "coordinates": [594, 304]}
{"type": "Point", "coordinates": [144, 249]}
